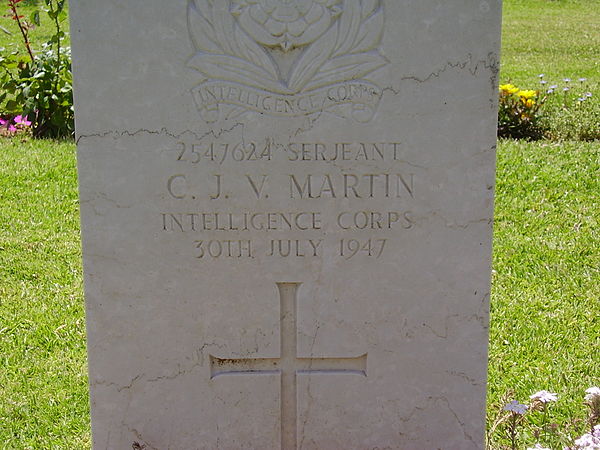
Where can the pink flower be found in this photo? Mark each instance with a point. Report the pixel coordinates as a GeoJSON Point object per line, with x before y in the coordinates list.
{"type": "Point", "coordinates": [12, 128]}
{"type": "Point", "coordinates": [22, 121]}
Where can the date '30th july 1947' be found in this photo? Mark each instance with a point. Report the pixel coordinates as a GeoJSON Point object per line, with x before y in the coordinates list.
{"type": "Point", "coordinates": [288, 248]}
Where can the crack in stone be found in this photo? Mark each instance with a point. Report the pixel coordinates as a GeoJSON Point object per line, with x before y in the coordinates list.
{"type": "Point", "coordinates": [118, 387]}
{"type": "Point", "coordinates": [443, 335]}
{"type": "Point", "coordinates": [417, 409]}
{"type": "Point", "coordinates": [461, 424]}
{"type": "Point", "coordinates": [200, 351]}
{"type": "Point", "coordinates": [491, 63]}
{"type": "Point", "coordinates": [453, 225]}
{"type": "Point", "coordinates": [115, 134]}
{"type": "Point", "coordinates": [462, 375]}
{"type": "Point", "coordinates": [144, 445]}
{"type": "Point", "coordinates": [178, 373]}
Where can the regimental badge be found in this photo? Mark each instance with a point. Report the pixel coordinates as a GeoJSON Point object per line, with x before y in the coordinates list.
{"type": "Point", "coordinates": [286, 57]}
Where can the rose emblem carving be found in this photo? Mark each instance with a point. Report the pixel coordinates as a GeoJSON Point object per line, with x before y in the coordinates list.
{"type": "Point", "coordinates": [286, 57]}
{"type": "Point", "coordinates": [287, 24]}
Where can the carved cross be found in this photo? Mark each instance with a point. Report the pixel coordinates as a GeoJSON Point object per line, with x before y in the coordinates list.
{"type": "Point", "coordinates": [288, 364]}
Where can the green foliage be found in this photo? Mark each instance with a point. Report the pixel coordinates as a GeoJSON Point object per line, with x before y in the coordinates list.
{"type": "Point", "coordinates": [581, 122]}
{"type": "Point", "coordinates": [562, 40]}
{"type": "Point", "coordinates": [519, 114]}
{"type": "Point", "coordinates": [39, 85]}
{"type": "Point", "coordinates": [41, 91]}
{"type": "Point", "coordinates": [517, 423]}
{"type": "Point", "coordinates": [565, 110]}
{"type": "Point", "coordinates": [575, 114]}
{"type": "Point", "coordinates": [10, 35]}
{"type": "Point", "coordinates": [572, 110]}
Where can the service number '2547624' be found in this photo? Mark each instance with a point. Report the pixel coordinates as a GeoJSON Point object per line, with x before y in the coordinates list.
{"type": "Point", "coordinates": [220, 153]}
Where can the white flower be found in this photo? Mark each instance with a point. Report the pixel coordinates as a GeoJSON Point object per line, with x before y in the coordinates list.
{"type": "Point", "coordinates": [541, 75]}
{"type": "Point", "coordinates": [566, 80]}
{"type": "Point", "coordinates": [516, 407]}
{"type": "Point", "coordinates": [537, 447]}
{"type": "Point", "coordinates": [592, 394]}
{"type": "Point", "coordinates": [588, 442]}
{"type": "Point", "coordinates": [582, 80]}
{"type": "Point", "coordinates": [544, 396]}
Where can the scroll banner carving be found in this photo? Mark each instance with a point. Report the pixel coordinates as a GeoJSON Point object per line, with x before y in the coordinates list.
{"type": "Point", "coordinates": [286, 57]}
{"type": "Point", "coordinates": [358, 99]}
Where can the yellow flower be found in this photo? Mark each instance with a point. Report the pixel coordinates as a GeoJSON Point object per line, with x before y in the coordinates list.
{"type": "Point", "coordinates": [508, 88]}
{"type": "Point", "coordinates": [529, 103]}
{"type": "Point", "coordinates": [527, 94]}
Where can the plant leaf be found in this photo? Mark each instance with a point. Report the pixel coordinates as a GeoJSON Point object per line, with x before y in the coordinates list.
{"type": "Point", "coordinates": [35, 18]}
{"type": "Point", "coordinates": [256, 54]}
{"type": "Point", "coordinates": [370, 33]}
{"type": "Point", "coordinates": [238, 44]}
{"type": "Point", "coordinates": [368, 6]}
{"type": "Point", "coordinates": [349, 27]}
{"type": "Point", "coordinates": [347, 67]}
{"type": "Point", "coordinates": [225, 67]}
{"type": "Point", "coordinates": [223, 23]}
{"type": "Point", "coordinates": [201, 31]}
{"type": "Point", "coordinates": [312, 60]}
{"type": "Point", "coordinates": [204, 7]}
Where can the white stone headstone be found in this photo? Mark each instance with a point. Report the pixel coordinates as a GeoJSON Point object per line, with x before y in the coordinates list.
{"type": "Point", "coordinates": [287, 217]}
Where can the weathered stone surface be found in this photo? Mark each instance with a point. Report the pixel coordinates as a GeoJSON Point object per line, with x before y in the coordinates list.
{"type": "Point", "coordinates": [286, 212]}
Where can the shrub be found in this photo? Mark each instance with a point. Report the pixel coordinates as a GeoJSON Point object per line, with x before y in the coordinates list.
{"type": "Point", "coordinates": [39, 85]}
{"type": "Point", "coordinates": [561, 111]}
{"type": "Point", "coordinates": [11, 126]}
{"type": "Point", "coordinates": [519, 114]}
{"type": "Point", "coordinates": [579, 123]}
{"type": "Point", "coordinates": [575, 113]}
{"type": "Point", "coordinates": [516, 422]}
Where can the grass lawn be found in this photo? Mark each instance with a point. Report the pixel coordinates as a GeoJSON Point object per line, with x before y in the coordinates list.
{"type": "Point", "coordinates": [43, 381]}
{"type": "Point", "coordinates": [545, 328]}
{"type": "Point", "coordinates": [545, 323]}
{"type": "Point", "coordinates": [559, 38]}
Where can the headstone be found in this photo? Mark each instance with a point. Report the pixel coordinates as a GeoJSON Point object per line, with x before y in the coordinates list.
{"type": "Point", "coordinates": [287, 217]}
